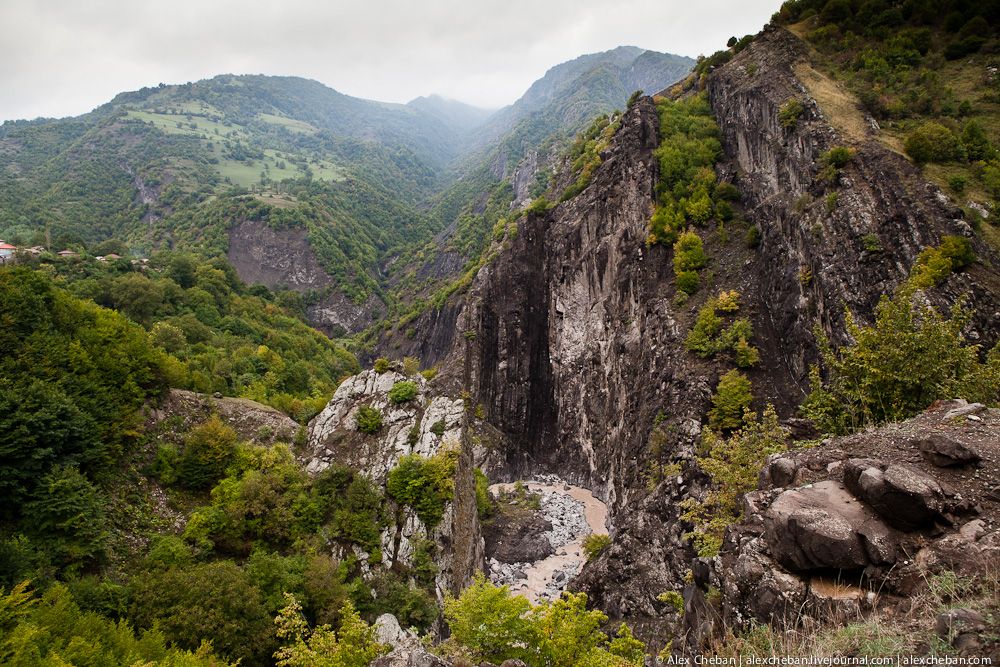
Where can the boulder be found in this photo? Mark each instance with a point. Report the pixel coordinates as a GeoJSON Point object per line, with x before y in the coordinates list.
{"type": "Point", "coordinates": [945, 451]}
{"type": "Point", "coordinates": [389, 632]}
{"type": "Point", "coordinates": [410, 654]}
{"type": "Point", "coordinates": [822, 526]}
{"type": "Point", "coordinates": [906, 497]}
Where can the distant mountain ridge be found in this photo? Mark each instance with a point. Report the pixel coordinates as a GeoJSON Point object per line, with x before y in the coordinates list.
{"type": "Point", "coordinates": [369, 183]}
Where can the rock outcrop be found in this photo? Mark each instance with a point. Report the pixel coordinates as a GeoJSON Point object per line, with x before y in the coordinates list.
{"type": "Point", "coordinates": [858, 522]}
{"type": "Point", "coordinates": [251, 420]}
{"type": "Point", "coordinates": [423, 425]}
{"type": "Point", "coordinates": [283, 259]}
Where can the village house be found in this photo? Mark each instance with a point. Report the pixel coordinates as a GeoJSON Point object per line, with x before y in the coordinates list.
{"type": "Point", "coordinates": [7, 252]}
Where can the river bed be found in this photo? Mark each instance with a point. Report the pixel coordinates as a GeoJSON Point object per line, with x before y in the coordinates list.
{"type": "Point", "coordinates": [564, 505]}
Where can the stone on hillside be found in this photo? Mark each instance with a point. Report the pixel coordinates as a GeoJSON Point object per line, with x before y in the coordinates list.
{"type": "Point", "coordinates": [945, 451]}
{"type": "Point", "coordinates": [824, 527]}
{"type": "Point", "coordinates": [906, 497]}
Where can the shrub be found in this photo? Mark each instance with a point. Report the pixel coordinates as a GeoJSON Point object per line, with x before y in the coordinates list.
{"type": "Point", "coordinates": [933, 142]}
{"type": "Point", "coordinates": [411, 366]}
{"type": "Point", "coordinates": [957, 184]}
{"type": "Point", "coordinates": [208, 449]}
{"type": "Point", "coordinates": [484, 504]}
{"type": "Point", "coordinates": [894, 369]}
{"type": "Point", "coordinates": [490, 623]}
{"type": "Point", "coordinates": [540, 206]}
{"type": "Point", "coordinates": [689, 257]}
{"type": "Point", "coordinates": [838, 156]}
{"type": "Point", "coordinates": [733, 464]}
{"type": "Point", "coordinates": [594, 544]}
{"type": "Point", "coordinates": [402, 392]}
{"type": "Point", "coordinates": [381, 365]}
{"type": "Point", "coordinates": [871, 243]}
{"type": "Point", "coordinates": [425, 484]}
{"type": "Point", "coordinates": [369, 419]}
{"type": "Point", "coordinates": [976, 143]}
{"type": "Point", "coordinates": [935, 264]}
{"type": "Point", "coordinates": [709, 337]}
{"type": "Point", "coordinates": [789, 113]}
{"type": "Point", "coordinates": [352, 645]}
{"type": "Point", "coordinates": [732, 398]}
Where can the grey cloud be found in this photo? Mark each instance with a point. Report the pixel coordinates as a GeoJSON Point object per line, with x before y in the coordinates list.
{"type": "Point", "coordinates": [64, 57]}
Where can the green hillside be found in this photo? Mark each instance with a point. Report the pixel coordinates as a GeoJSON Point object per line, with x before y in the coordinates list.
{"type": "Point", "coordinates": [927, 72]}
{"type": "Point", "coordinates": [377, 187]}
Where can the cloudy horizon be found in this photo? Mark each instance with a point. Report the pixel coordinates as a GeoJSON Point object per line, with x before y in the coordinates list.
{"type": "Point", "coordinates": [65, 59]}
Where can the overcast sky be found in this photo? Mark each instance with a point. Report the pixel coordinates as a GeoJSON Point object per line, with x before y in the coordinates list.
{"type": "Point", "coordinates": [65, 57]}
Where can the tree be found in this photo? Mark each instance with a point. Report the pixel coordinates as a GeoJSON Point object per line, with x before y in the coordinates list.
{"type": "Point", "coordinates": [733, 464]}
{"type": "Point", "coordinates": [39, 426]}
{"type": "Point", "coordinates": [352, 645]}
{"type": "Point", "coordinates": [933, 142]}
{"type": "Point", "coordinates": [66, 513]}
{"type": "Point", "coordinates": [732, 397]}
{"type": "Point", "coordinates": [213, 601]}
{"type": "Point", "coordinates": [893, 369]}
{"type": "Point", "coordinates": [491, 623]}
{"type": "Point", "coordinates": [567, 631]}
{"type": "Point", "coordinates": [208, 448]}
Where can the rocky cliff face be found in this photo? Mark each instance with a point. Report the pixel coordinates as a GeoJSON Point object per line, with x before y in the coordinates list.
{"type": "Point", "coordinates": [573, 337]}
{"type": "Point", "coordinates": [424, 425]}
{"type": "Point", "coordinates": [283, 259]}
{"type": "Point", "coordinates": [826, 244]}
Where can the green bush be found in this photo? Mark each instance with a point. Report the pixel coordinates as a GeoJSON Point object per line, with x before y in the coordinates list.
{"type": "Point", "coordinates": [976, 143]}
{"type": "Point", "coordinates": [208, 449]}
{"type": "Point", "coordinates": [540, 206]}
{"type": "Point", "coordinates": [933, 142]}
{"type": "Point", "coordinates": [352, 645]}
{"type": "Point", "coordinates": [910, 357]}
{"type": "Point", "coordinates": [402, 392]}
{"type": "Point", "coordinates": [369, 419]}
{"type": "Point", "coordinates": [425, 484]}
{"type": "Point", "coordinates": [381, 365]}
{"type": "Point", "coordinates": [594, 544]}
{"type": "Point", "coordinates": [709, 336]}
{"type": "Point", "coordinates": [788, 115]}
{"type": "Point", "coordinates": [689, 257]}
{"type": "Point", "coordinates": [489, 624]}
{"type": "Point", "coordinates": [733, 464]}
{"type": "Point", "coordinates": [484, 504]}
{"type": "Point", "coordinates": [935, 264]}
{"type": "Point", "coordinates": [732, 398]}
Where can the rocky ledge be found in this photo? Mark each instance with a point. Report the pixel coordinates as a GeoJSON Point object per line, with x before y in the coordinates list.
{"type": "Point", "coordinates": [859, 524]}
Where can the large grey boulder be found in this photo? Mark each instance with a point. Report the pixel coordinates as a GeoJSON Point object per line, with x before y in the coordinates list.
{"type": "Point", "coordinates": [822, 526]}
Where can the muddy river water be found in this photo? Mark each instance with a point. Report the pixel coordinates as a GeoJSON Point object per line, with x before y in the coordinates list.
{"type": "Point", "coordinates": [544, 579]}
